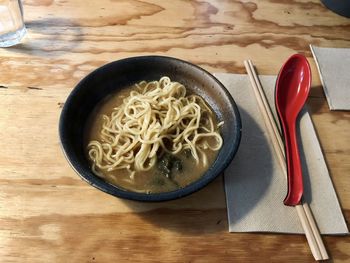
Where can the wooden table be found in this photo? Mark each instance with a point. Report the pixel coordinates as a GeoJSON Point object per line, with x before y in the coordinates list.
{"type": "Point", "coordinates": [47, 214]}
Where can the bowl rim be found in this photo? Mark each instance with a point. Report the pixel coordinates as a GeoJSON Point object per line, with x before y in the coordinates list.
{"type": "Point", "coordinates": [153, 197]}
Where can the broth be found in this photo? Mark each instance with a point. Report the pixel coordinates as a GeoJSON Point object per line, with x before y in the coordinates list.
{"type": "Point", "coordinates": [154, 180]}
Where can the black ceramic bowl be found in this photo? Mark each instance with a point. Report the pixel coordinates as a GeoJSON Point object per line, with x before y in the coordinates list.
{"type": "Point", "coordinates": [122, 73]}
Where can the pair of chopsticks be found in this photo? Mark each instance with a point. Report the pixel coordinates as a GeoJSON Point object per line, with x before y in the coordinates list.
{"type": "Point", "coordinates": [304, 212]}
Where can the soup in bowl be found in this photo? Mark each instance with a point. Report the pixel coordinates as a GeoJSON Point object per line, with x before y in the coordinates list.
{"type": "Point", "coordinates": [149, 128]}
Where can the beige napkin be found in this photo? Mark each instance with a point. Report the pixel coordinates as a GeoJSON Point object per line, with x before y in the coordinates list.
{"type": "Point", "coordinates": [333, 65]}
{"type": "Point", "coordinates": [254, 183]}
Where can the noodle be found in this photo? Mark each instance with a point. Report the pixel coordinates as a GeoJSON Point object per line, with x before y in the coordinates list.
{"type": "Point", "coordinates": [156, 117]}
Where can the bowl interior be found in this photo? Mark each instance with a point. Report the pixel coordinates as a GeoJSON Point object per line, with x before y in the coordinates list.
{"type": "Point", "coordinates": [123, 73]}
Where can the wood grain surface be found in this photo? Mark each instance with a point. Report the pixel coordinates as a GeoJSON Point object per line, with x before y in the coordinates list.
{"type": "Point", "coordinates": [47, 214]}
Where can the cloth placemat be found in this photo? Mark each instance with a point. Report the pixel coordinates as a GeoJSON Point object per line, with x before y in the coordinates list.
{"type": "Point", "coordinates": [333, 65]}
{"type": "Point", "coordinates": [254, 182]}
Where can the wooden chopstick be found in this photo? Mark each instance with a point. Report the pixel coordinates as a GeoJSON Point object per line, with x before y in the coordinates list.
{"type": "Point", "coordinates": [304, 211]}
{"type": "Point", "coordinates": [315, 231]}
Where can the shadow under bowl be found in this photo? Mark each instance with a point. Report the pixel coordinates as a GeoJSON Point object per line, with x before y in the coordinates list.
{"type": "Point", "coordinates": [124, 73]}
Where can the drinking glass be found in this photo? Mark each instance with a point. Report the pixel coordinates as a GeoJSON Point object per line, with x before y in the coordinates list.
{"type": "Point", "coordinates": [12, 28]}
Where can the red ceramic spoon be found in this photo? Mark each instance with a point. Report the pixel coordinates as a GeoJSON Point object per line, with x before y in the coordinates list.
{"type": "Point", "coordinates": [292, 89]}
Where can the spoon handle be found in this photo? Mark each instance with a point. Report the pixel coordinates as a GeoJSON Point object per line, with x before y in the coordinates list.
{"type": "Point", "coordinates": [294, 172]}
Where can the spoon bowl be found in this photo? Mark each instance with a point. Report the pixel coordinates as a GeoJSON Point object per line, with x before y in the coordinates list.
{"type": "Point", "coordinates": [292, 89]}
